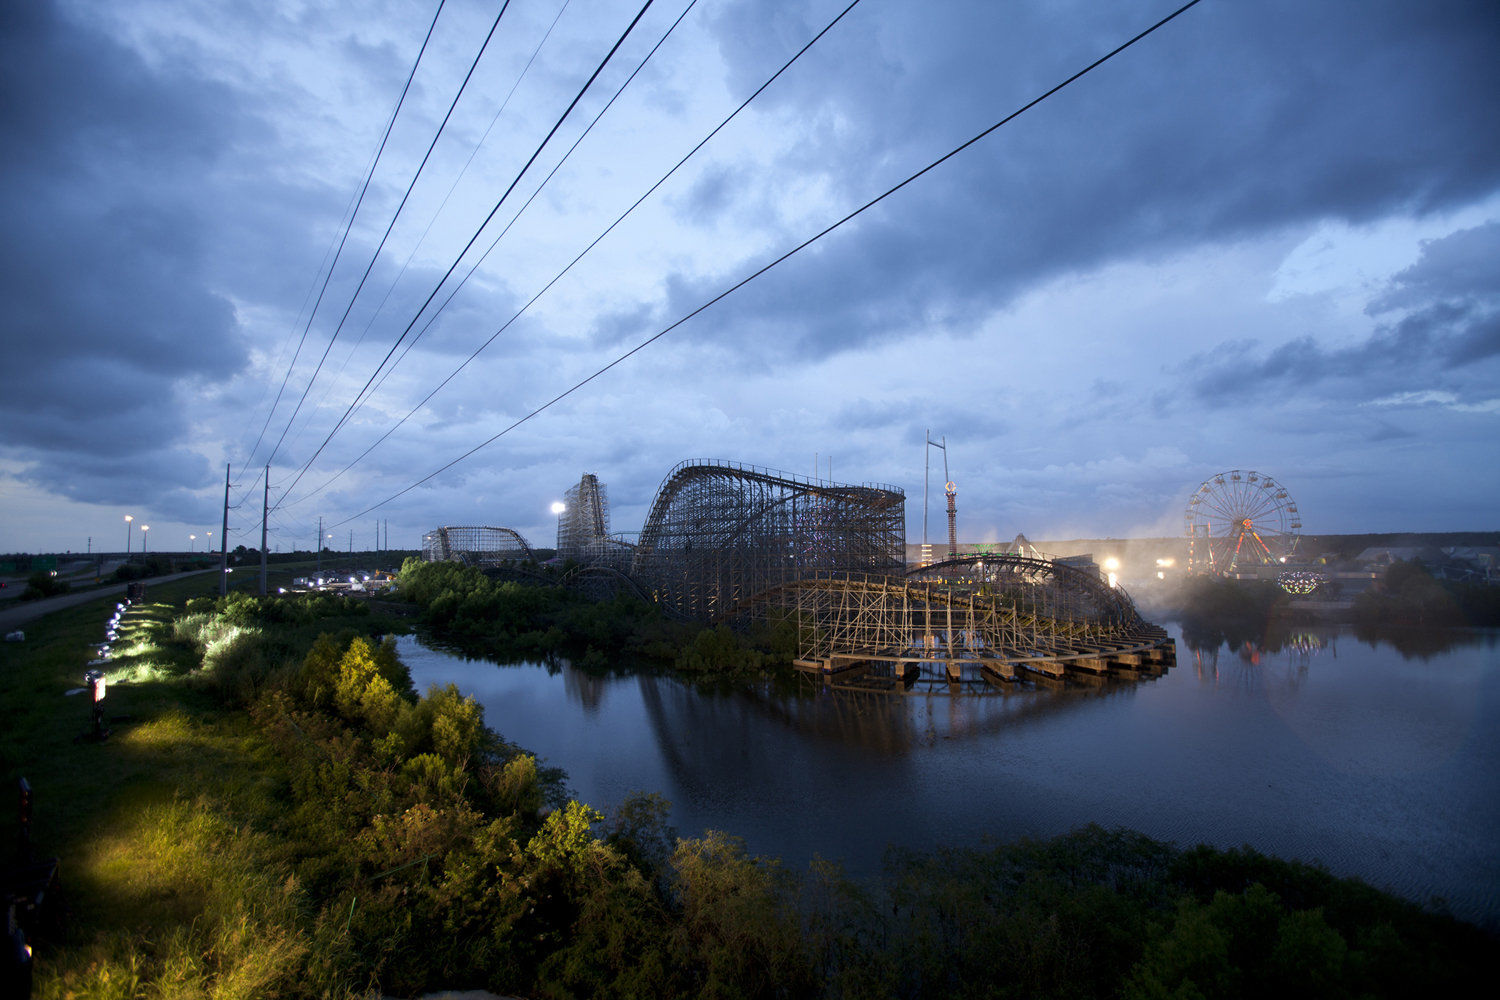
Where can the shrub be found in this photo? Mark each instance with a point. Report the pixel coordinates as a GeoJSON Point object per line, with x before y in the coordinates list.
{"type": "Point", "coordinates": [363, 691]}
{"type": "Point", "coordinates": [43, 584]}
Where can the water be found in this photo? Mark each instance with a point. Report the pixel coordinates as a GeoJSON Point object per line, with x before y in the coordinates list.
{"type": "Point", "coordinates": [1336, 751]}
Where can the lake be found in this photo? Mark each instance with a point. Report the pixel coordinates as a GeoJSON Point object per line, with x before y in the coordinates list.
{"type": "Point", "coordinates": [1371, 761]}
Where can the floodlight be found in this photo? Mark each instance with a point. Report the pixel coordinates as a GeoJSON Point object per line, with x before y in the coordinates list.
{"type": "Point", "coordinates": [96, 683]}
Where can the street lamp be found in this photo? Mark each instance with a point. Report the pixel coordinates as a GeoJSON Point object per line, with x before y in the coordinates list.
{"type": "Point", "coordinates": [144, 528]}
{"type": "Point", "coordinates": [128, 519]}
{"type": "Point", "coordinates": [191, 540]}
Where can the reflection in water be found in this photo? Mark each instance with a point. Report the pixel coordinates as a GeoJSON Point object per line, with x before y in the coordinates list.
{"type": "Point", "coordinates": [1258, 667]}
{"type": "Point", "coordinates": [1280, 656]}
{"type": "Point", "coordinates": [1301, 744]}
{"type": "Point", "coordinates": [878, 724]}
{"type": "Point", "coordinates": [1411, 642]}
{"type": "Point", "coordinates": [587, 689]}
{"type": "Point", "coordinates": [1416, 643]}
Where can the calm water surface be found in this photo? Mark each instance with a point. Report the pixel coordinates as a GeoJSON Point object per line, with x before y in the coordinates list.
{"type": "Point", "coordinates": [1352, 755]}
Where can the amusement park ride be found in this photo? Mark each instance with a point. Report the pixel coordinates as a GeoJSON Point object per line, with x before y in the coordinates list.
{"type": "Point", "coordinates": [1239, 522]}
{"type": "Point", "coordinates": [731, 543]}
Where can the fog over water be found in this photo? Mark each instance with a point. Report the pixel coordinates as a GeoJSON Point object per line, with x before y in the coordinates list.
{"type": "Point", "coordinates": [1350, 754]}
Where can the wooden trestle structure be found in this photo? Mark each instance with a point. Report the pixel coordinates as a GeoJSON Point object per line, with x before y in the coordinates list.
{"type": "Point", "coordinates": [726, 542]}
{"type": "Point", "coordinates": [1005, 616]}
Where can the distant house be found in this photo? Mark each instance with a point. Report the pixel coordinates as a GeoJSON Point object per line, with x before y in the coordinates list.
{"type": "Point", "coordinates": [1380, 556]}
{"type": "Point", "coordinates": [1457, 562]}
{"type": "Point", "coordinates": [1477, 562]}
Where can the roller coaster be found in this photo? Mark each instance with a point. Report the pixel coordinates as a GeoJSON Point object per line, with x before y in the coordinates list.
{"type": "Point", "coordinates": [480, 546]}
{"type": "Point", "coordinates": [726, 542]}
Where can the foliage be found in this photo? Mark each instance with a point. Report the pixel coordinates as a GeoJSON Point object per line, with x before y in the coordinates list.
{"type": "Point", "coordinates": [43, 584]}
{"type": "Point", "coordinates": [1408, 594]}
{"type": "Point", "coordinates": [1216, 610]}
{"type": "Point", "coordinates": [147, 566]}
{"type": "Point", "coordinates": [511, 619]}
{"type": "Point", "coordinates": [344, 836]}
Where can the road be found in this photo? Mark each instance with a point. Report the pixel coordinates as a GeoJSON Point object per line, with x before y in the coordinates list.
{"type": "Point", "coordinates": [14, 615]}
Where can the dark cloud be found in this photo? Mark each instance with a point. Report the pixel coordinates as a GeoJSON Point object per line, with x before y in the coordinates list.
{"type": "Point", "coordinates": [1233, 121]}
{"type": "Point", "coordinates": [712, 193]}
{"type": "Point", "coordinates": [102, 257]}
{"type": "Point", "coordinates": [1459, 267]}
{"type": "Point", "coordinates": [1478, 341]}
{"type": "Point", "coordinates": [1445, 320]}
{"type": "Point", "coordinates": [1382, 431]}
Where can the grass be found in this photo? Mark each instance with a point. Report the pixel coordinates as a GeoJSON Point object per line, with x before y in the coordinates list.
{"type": "Point", "coordinates": [168, 876]}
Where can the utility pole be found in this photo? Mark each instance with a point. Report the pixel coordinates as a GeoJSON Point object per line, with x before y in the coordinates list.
{"type": "Point", "coordinates": [265, 509]}
{"type": "Point", "coordinates": [224, 541]}
{"type": "Point", "coordinates": [320, 545]}
{"type": "Point", "coordinates": [926, 464]}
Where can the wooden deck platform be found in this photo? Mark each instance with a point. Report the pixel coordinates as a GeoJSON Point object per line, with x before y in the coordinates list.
{"type": "Point", "coordinates": [1129, 658]}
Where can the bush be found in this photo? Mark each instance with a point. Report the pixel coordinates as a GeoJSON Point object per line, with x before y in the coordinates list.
{"type": "Point", "coordinates": [1409, 595]}
{"type": "Point", "coordinates": [43, 584]}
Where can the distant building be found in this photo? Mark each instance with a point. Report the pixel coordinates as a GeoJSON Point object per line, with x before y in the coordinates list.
{"type": "Point", "coordinates": [1456, 562]}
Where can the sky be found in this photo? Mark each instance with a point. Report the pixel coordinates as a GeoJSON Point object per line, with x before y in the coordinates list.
{"type": "Point", "coordinates": [1262, 238]}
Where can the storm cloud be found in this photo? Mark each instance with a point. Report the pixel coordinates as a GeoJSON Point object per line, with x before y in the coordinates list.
{"type": "Point", "coordinates": [1264, 236]}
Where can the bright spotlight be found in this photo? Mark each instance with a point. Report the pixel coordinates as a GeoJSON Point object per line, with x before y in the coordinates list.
{"type": "Point", "coordinates": [1111, 564]}
{"type": "Point", "coordinates": [558, 507]}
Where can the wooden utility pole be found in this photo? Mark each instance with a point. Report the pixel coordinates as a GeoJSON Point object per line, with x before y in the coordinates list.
{"type": "Point", "coordinates": [265, 509]}
{"type": "Point", "coordinates": [224, 541]}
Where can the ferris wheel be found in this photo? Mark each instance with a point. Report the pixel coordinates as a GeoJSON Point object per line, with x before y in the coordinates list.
{"type": "Point", "coordinates": [1237, 520]}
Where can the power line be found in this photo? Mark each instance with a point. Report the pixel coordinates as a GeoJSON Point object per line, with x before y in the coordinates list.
{"type": "Point", "coordinates": [788, 254]}
{"type": "Point", "coordinates": [350, 225]}
{"type": "Point", "coordinates": [435, 313]}
{"type": "Point", "coordinates": [432, 317]}
{"type": "Point", "coordinates": [454, 266]}
{"type": "Point", "coordinates": [346, 217]}
{"type": "Point", "coordinates": [461, 174]}
{"type": "Point", "coordinates": [390, 290]}
{"type": "Point", "coordinates": [392, 224]}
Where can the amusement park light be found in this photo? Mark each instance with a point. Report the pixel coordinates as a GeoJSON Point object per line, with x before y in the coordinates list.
{"type": "Point", "coordinates": [558, 507]}
{"type": "Point", "coordinates": [1111, 564]}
